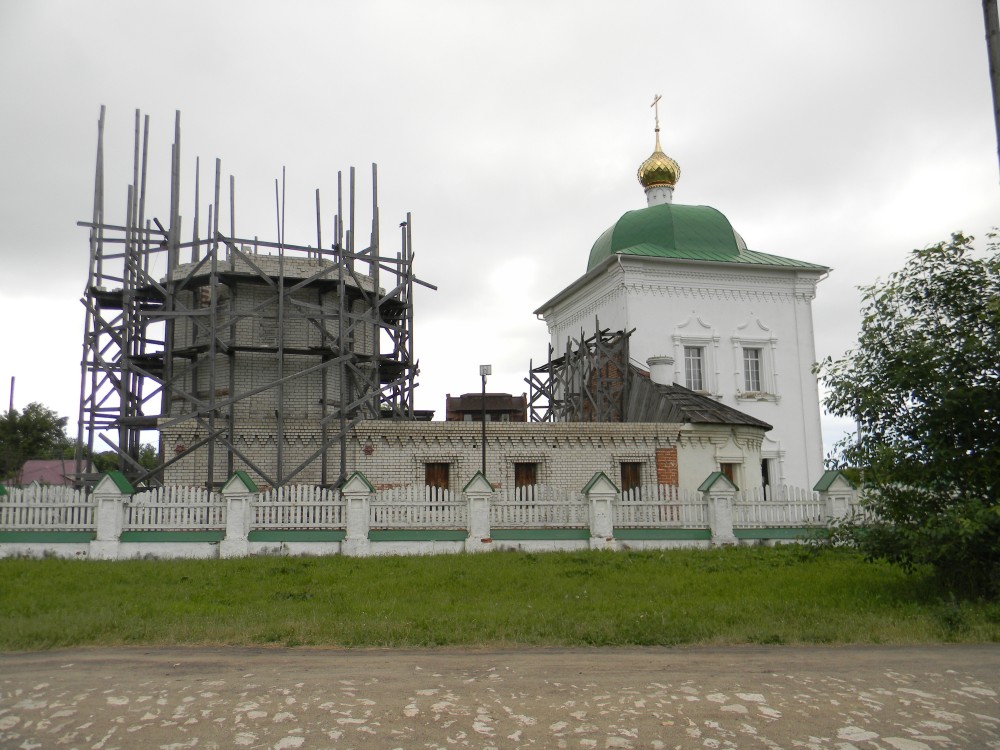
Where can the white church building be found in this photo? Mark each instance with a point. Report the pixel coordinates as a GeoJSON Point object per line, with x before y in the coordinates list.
{"type": "Point", "coordinates": [709, 314]}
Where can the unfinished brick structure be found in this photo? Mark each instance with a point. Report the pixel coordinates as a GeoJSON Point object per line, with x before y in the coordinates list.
{"type": "Point", "coordinates": [240, 353]}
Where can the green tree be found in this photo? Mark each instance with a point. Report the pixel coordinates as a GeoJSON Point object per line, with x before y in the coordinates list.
{"type": "Point", "coordinates": [36, 432]}
{"type": "Point", "coordinates": [923, 384]}
{"type": "Point", "coordinates": [148, 456]}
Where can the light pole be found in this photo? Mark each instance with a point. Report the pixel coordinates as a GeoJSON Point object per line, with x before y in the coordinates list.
{"type": "Point", "coordinates": [484, 370]}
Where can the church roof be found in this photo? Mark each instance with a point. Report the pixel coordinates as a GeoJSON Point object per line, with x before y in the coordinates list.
{"type": "Point", "coordinates": [668, 230]}
{"type": "Point", "coordinates": [655, 402]}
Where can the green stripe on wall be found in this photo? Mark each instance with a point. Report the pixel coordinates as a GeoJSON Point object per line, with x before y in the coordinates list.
{"type": "Point", "coordinates": [296, 535]}
{"type": "Point", "coordinates": [417, 535]}
{"type": "Point", "coordinates": [539, 534]}
{"type": "Point", "coordinates": [47, 537]}
{"type": "Point", "coordinates": [677, 534]}
{"type": "Point", "coordinates": [774, 533]}
{"type": "Point", "coordinates": [172, 536]}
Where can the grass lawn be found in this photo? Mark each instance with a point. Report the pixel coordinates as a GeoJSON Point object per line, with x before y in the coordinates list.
{"type": "Point", "coordinates": [724, 596]}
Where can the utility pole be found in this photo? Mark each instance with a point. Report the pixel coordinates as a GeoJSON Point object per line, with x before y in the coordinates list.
{"type": "Point", "coordinates": [990, 18]}
{"type": "Point", "coordinates": [484, 370]}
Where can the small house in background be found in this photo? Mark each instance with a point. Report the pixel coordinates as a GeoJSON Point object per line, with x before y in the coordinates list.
{"type": "Point", "coordinates": [500, 407]}
{"type": "Point", "coordinates": [47, 471]}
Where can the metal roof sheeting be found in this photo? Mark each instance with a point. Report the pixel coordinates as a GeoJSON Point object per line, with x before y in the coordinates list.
{"type": "Point", "coordinates": [684, 233]}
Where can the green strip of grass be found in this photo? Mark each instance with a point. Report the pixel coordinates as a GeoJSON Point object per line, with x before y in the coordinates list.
{"type": "Point", "coordinates": [725, 596]}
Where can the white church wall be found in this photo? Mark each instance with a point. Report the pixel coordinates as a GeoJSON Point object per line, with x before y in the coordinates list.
{"type": "Point", "coordinates": [706, 447]}
{"type": "Point", "coordinates": [720, 310]}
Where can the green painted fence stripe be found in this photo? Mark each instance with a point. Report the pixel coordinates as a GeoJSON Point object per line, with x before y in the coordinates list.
{"type": "Point", "coordinates": [773, 533]}
{"type": "Point", "coordinates": [296, 535]}
{"type": "Point", "coordinates": [172, 536]}
{"type": "Point", "coordinates": [540, 534]}
{"type": "Point", "coordinates": [417, 535]}
{"type": "Point", "coordinates": [47, 537]}
{"type": "Point", "coordinates": [677, 534]}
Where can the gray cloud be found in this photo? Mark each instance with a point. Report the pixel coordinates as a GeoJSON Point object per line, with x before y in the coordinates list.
{"type": "Point", "coordinates": [843, 133]}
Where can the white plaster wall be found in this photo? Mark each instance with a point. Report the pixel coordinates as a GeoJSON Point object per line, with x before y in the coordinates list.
{"type": "Point", "coordinates": [382, 549]}
{"type": "Point", "coordinates": [66, 551]}
{"type": "Point", "coordinates": [705, 447]}
{"type": "Point", "coordinates": [539, 545]}
{"type": "Point", "coordinates": [207, 551]}
{"type": "Point", "coordinates": [654, 544]}
{"type": "Point", "coordinates": [168, 550]}
{"type": "Point", "coordinates": [295, 549]}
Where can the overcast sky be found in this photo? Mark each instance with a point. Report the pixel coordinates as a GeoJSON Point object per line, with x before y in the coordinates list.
{"type": "Point", "coordinates": [844, 133]}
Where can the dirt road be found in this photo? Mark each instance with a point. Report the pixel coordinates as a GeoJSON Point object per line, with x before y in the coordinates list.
{"type": "Point", "coordinates": [907, 698]}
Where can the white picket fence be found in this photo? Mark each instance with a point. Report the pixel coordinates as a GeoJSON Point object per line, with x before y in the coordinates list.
{"type": "Point", "coordinates": [538, 506]}
{"type": "Point", "coordinates": [299, 507]}
{"type": "Point", "coordinates": [175, 508]}
{"type": "Point", "coordinates": [418, 507]}
{"type": "Point", "coordinates": [415, 506]}
{"type": "Point", "coordinates": [43, 508]}
{"type": "Point", "coordinates": [782, 506]}
{"type": "Point", "coordinates": [661, 506]}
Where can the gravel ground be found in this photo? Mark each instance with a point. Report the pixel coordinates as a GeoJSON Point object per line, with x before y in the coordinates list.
{"type": "Point", "coordinates": [892, 698]}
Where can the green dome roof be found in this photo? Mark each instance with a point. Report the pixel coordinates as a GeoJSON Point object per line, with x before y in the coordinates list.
{"type": "Point", "coordinates": [670, 231]}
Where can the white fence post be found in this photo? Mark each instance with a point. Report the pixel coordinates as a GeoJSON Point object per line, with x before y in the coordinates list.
{"type": "Point", "coordinates": [239, 512]}
{"type": "Point", "coordinates": [478, 493]}
{"type": "Point", "coordinates": [601, 493]}
{"type": "Point", "coordinates": [720, 492]}
{"type": "Point", "coordinates": [357, 492]}
{"type": "Point", "coordinates": [836, 493]}
{"type": "Point", "coordinates": [109, 495]}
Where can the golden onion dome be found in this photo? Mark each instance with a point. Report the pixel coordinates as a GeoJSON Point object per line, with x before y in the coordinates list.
{"type": "Point", "coordinates": [658, 169]}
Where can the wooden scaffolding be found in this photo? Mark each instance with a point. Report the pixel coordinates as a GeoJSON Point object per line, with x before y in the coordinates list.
{"type": "Point", "coordinates": [588, 383]}
{"type": "Point", "coordinates": [145, 282]}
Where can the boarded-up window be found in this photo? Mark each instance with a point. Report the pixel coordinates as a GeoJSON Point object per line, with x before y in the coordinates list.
{"type": "Point", "coordinates": [631, 475]}
{"type": "Point", "coordinates": [525, 475]}
{"type": "Point", "coordinates": [436, 475]}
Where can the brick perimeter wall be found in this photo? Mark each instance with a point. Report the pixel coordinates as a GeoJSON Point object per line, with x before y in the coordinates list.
{"type": "Point", "coordinates": [566, 454]}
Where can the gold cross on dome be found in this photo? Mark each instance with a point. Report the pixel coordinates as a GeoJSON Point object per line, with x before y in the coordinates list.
{"type": "Point", "coordinates": [656, 106]}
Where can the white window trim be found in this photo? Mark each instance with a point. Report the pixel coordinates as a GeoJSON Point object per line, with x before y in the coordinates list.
{"type": "Point", "coordinates": [755, 335]}
{"type": "Point", "coordinates": [695, 332]}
